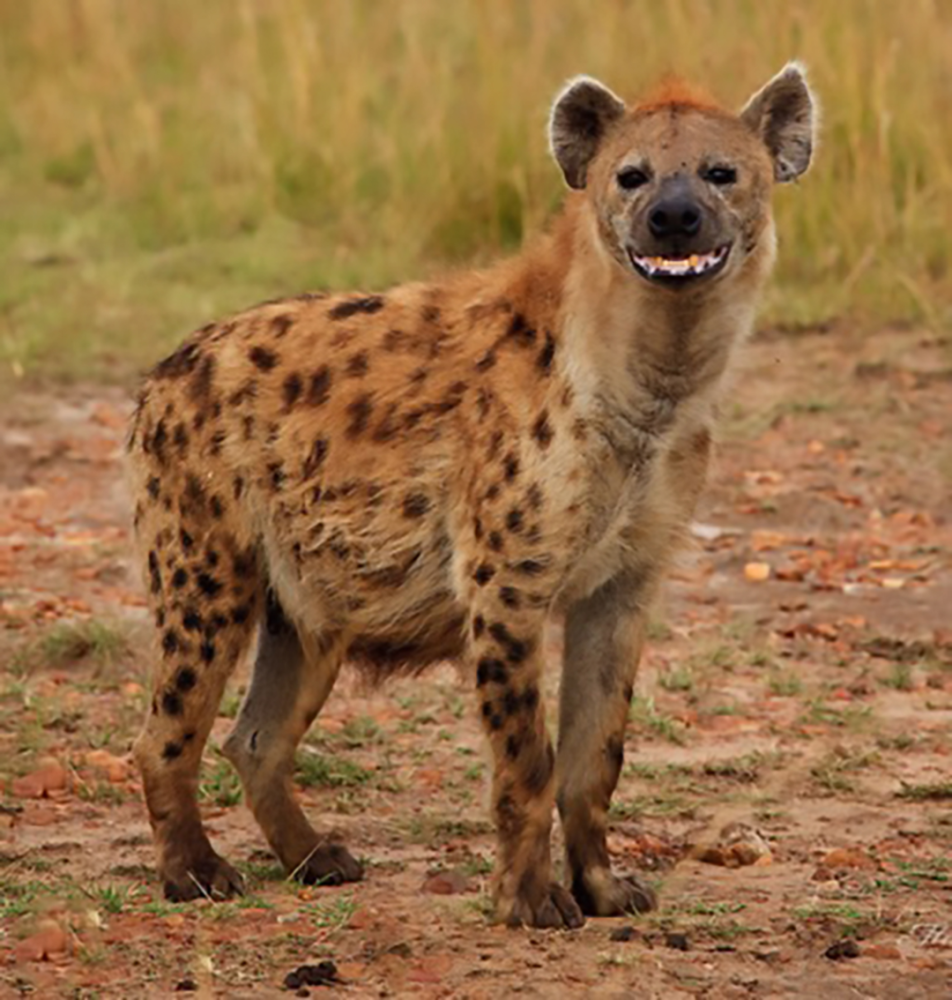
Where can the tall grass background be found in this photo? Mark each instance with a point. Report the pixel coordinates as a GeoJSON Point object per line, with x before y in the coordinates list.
{"type": "Point", "coordinates": [163, 161]}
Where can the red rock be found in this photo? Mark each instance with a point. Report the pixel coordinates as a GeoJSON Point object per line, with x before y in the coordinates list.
{"type": "Point", "coordinates": [847, 857]}
{"type": "Point", "coordinates": [49, 940]}
{"type": "Point", "coordinates": [49, 778]}
{"type": "Point", "coordinates": [446, 883]}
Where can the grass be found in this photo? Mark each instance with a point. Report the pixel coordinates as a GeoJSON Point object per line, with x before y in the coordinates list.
{"type": "Point", "coordinates": [69, 642]}
{"type": "Point", "coordinates": [329, 772]}
{"type": "Point", "coordinates": [162, 166]}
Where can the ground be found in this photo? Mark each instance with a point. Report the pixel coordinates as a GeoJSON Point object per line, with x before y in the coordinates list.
{"type": "Point", "coordinates": [797, 686]}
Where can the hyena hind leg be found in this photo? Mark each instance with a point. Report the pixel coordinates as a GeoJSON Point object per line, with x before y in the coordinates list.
{"type": "Point", "coordinates": [290, 684]}
{"type": "Point", "coordinates": [204, 631]}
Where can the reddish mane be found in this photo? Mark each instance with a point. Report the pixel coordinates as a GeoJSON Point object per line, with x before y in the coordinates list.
{"type": "Point", "coordinates": [675, 91]}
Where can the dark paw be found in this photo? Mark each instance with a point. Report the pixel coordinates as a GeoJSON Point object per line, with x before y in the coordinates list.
{"type": "Point", "coordinates": [550, 906]}
{"type": "Point", "coordinates": [328, 864]}
{"type": "Point", "coordinates": [210, 877]}
{"type": "Point", "coordinates": [603, 894]}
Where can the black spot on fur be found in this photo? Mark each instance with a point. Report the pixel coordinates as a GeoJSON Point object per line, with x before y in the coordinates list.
{"type": "Point", "coordinates": [516, 649]}
{"type": "Point", "coordinates": [491, 671]}
{"type": "Point", "coordinates": [182, 362]}
{"type": "Point", "coordinates": [513, 746]}
{"type": "Point", "coordinates": [510, 597]}
{"type": "Point", "coordinates": [217, 440]}
{"type": "Point", "coordinates": [495, 722]}
{"type": "Point", "coordinates": [192, 621]}
{"type": "Point", "coordinates": [367, 304]}
{"type": "Point", "coordinates": [207, 651]}
{"type": "Point", "coordinates": [208, 585]}
{"type": "Point", "coordinates": [201, 382]}
{"type": "Point", "coordinates": [315, 458]}
{"type": "Point", "coordinates": [511, 467]}
{"type": "Point", "coordinates": [179, 578]}
{"type": "Point", "coordinates": [245, 564]}
{"type": "Point", "coordinates": [180, 437]}
{"type": "Point", "coordinates": [495, 443]}
{"type": "Point", "coordinates": [186, 539]}
{"type": "Point", "coordinates": [360, 410]}
{"type": "Point", "coordinates": [155, 574]}
{"type": "Point", "coordinates": [171, 703]}
{"type": "Point", "coordinates": [520, 332]}
{"type": "Point", "coordinates": [534, 496]}
{"type": "Point", "coordinates": [357, 365]}
{"type": "Point", "coordinates": [217, 507]}
{"type": "Point", "coordinates": [170, 641]}
{"type": "Point", "coordinates": [238, 487]}
{"type": "Point", "coordinates": [486, 361]}
{"type": "Point", "coordinates": [530, 698]}
{"type": "Point", "coordinates": [291, 390]}
{"type": "Point", "coordinates": [492, 492]}
{"type": "Point", "coordinates": [479, 626]}
{"type": "Point", "coordinates": [544, 361]}
{"type": "Point", "coordinates": [510, 702]}
{"type": "Point", "coordinates": [263, 358]}
{"type": "Point", "coordinates": [281, 324]}
{"type": "Point", "coordinates": [542, 430]}
{"type": "Point", "coordinates": [276, 475]}
{"type": "Point", "coordinates": [415, 505]}
{"type": "Point", "coordinates": [495, 541]}
{"type": "Point", "coordinates": [240, 613]}
{"type": "Point", "coordinates": [185, 679]}
{"type": "Point", "coordinates": [172, 750]}
{"type": "Point", "coordinates": [529, 567]}
{"type": "Point", "coordinates": [159, 440]}
{"type": "Point", "coordinates": [484, 573]}
{"type": "Point", "coordinates": [515, 521]}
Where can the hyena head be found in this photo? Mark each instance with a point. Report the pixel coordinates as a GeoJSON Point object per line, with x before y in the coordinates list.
{"type": "Point", "coordinates": [678, 187]}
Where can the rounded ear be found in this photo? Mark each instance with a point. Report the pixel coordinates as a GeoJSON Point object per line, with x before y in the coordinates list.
{"type": "Point", "coordinates": [783, 114]}
{"type": "Point", "coordinates": [581, 115]}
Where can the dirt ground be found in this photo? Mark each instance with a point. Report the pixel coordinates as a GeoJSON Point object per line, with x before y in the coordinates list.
{"type": "Point", "coordinates": [798, 687]}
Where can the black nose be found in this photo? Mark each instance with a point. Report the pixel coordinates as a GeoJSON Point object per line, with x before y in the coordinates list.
{"type": "Point", "coordinates": [676, 215]}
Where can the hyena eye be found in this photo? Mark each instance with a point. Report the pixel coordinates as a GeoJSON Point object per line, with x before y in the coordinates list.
{"type": "Point", "coordinates": [720, 175]}
{"type": "Point", "coordinates": [630, 178]}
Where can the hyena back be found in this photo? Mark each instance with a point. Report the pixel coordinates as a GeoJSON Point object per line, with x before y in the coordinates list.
{"type": "Point", "coordinates": [435, 471]}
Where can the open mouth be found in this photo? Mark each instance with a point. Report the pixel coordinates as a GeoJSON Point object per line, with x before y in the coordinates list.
{"type": "Point", "coordinates": [674, 270]}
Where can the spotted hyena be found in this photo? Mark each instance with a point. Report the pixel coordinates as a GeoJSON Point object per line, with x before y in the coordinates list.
{"type": "Point", "coordinates": [433, 472]}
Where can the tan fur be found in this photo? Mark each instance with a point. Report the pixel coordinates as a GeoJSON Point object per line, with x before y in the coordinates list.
{"type": "Point", "coordinates": [434, 472]}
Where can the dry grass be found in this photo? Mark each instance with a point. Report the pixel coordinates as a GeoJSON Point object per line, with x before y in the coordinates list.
{"type": "Point", "coordinates": [166, 160]}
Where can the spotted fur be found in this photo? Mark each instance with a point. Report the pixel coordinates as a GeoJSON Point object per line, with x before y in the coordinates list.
{"type": "Point", "coordinates": [434, 472]}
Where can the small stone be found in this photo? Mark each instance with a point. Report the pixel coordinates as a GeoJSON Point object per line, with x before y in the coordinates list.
{"type": "Point", "coordinates": [677, 940]}
{"type": "Point", "coordinates": [623, 934]}
{"type": "Point", "coordinates": [186, 986]}
{"type": "Point", "coordinates": [839, 950]}
{"type": "Point", "coordinates": [846, 857]}
{"type": "Point", "coordinates": [446, 883]}
{"type": "Point", "coordinates": [886, 952]}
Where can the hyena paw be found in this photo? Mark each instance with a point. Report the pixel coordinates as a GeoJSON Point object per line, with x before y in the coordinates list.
{"type": "Point", "coordinates": [548, 905]}
{"type": "Point", "coordinates": [210, 877]}
{"type": "Point", "coordinates": [601, 893]}
{"type": "Point", "coordinates": [328, 864]}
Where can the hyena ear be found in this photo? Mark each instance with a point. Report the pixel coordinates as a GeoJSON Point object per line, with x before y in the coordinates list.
{"type": "Point", "coordinates": [581, 115]}
{"type": "Point", "coordinates": [783, 114]}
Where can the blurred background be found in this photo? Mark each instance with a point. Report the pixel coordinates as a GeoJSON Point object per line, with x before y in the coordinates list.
{"type": "Point", "coordinates": [164, 162]}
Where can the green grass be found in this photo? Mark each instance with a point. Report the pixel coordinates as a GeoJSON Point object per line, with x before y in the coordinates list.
{"type": "Point", "coordinates": [161, 166]}
{"type": "Point", "coordinates": [329, 771]}
{"type": "Point", "coordinates": [68, 643]}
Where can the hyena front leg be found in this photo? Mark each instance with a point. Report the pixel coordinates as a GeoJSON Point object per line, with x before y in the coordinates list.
{"type": "Point", "coordinates": [290, 684]}
{"type": "Point", "coordinates": [506, 629]}
{"type": "Point", "coordinates": [603, 639]}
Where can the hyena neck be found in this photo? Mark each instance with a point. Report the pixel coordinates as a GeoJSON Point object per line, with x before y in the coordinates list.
{"type": "Point", "coordinates": [632, 348]}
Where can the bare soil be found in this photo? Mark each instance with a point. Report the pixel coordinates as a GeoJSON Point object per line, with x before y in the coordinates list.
{"type": "Point", "coordinates": [798, 683]}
